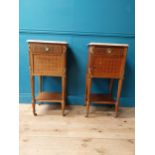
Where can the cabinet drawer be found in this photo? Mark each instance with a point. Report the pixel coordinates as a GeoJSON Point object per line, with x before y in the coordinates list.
{"type": "Point", "coordinates": [46, 48]}
{"type": "Point", "coordinates": [108, 51]}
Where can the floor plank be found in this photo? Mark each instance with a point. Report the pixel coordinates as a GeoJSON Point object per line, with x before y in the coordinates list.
{"type": "Point", "coordinates": [40, 145]}
{"type": "Point", "coordinates": [74, 134]}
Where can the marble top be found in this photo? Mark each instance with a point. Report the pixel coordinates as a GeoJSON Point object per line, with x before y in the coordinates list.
{"type": "Point", "coordinates": [46, 41]}
{"type": "Point", "coordinates": [108, 44]}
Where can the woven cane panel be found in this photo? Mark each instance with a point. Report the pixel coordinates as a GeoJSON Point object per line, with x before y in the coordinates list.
{"type": "Point", "coordinates": [48, 64]}
{"type": "Point", "coordinates": [106, 67]}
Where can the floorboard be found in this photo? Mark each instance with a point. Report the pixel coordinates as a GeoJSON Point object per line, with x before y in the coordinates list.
{"type": "Point", "coordinates": [100, 134]}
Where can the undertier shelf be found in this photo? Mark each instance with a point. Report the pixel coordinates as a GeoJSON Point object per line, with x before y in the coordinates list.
{"type": "Point", "coordinates": [49, 97]}
{"type": "Point", "coordinates": [102, 98]}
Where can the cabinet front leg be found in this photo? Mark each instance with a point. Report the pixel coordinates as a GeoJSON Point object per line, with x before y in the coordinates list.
{"type": "Point", "coordinates": [111, 85]}
{"type": "Point", "coordinates": [120, 83]}
{"type": "Point", "coordinates": [63, 95]}
{"type": "Point", "coordinates": [86, 90]}
{"type": "Point", "coordinates": [40, 86]}
{"type": "Point", "coordinates": [89, 82]}
{"type": "Point", "coordinates": [33, 96]}
{"type": "Point", "coordinates": [33, 107]}
{"type": "Point", "coordinates": [87, 108]}
{"type": "Point", "coordinates": [63, 108]}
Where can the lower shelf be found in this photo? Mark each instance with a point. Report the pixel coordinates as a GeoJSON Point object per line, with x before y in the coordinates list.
{"type": "Point", "coordinates": [49, 97]}
{"type": "Point", "coordinates": [102, 98]}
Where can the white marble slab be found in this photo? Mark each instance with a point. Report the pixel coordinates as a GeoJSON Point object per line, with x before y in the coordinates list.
{"type": "Point", "coordinates": [46, 41]}
{"type": "Point", "coordinates": [108, 44]}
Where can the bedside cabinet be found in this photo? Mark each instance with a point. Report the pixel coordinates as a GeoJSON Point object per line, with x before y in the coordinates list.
{"type": "Point", "coordinates": [105, 61]}
{"type": "Point", "coordinates": [47, 58]}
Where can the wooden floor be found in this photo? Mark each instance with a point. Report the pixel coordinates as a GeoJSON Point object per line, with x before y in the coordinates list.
{"type": "Point", "coordinates": [100, 134]}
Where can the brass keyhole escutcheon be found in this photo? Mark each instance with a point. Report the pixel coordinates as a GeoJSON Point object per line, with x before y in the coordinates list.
{"type": "Point", "coordinates": [46, 49]}
{"type": "Point", "coordinates": [109, 50]}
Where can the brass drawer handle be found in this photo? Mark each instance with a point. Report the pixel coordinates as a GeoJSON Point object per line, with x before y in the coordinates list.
{"type": "Point", "coordinates": [46, 49]}
{"type": "Point", "coordinates": [109, 50]}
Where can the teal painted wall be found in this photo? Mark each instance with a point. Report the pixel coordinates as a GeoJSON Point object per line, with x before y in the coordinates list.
{"type": "Point", "coordinates": [78, 22]}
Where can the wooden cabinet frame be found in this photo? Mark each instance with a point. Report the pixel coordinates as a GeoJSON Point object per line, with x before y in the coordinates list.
{"type": "Point", "coordinates": [47, 58]}
{"type": "Point", "coordinates": [105, 61]}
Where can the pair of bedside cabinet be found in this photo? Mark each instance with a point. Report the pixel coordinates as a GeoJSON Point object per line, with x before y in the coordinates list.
{"type": "Point", "coordinates": [49, 58]}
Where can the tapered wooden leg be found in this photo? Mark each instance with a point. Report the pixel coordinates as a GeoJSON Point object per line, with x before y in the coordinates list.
{"type": "Point", "coordinates": [120, 82]}
{"type": "Point", "coordinates": [33, 107]}
{"type": "Point", "coordinates": [63, 95]}
{"type": "Point", "coordinates": [86, 89]}
{"type": "Point", "coordinates": [63, 108]}
{"type": "Point", "coordinates": [89, 81]}
{"type": "Point", "coordinates": [40, 83]}
{"type": "Point", "coordinates": [87, 108]}
{"type": "Point", "coordinates": [40, 86]}
{"type": "Point", "coordinates": [33, 96]}
{"type": "Point", "coordinates": [111, 85]}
